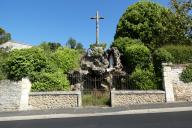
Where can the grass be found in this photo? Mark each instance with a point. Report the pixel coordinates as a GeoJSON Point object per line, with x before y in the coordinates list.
{"type": "Point", "coordinates": [96, 99]}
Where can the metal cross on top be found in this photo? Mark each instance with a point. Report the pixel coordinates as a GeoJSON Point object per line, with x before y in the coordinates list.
{"type": "Point", "coordinates": [97, 18]}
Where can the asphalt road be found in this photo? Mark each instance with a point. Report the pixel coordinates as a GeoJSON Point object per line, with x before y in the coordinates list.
{"type": "Point", "coordinates": [157, 120]}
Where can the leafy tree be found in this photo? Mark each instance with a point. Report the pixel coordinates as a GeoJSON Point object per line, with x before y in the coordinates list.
{"type": "Point", "coordinates": [79, 46]}
{"type": "Point", "coordinates": [50, 46]}
{"type": "Point", "coordinates": [149, 22]}
{"type": "Point", "coordinates": [182, 20]}
{"type": "Point", "coordinates": [71, 43]}
{"type": "Point", "coordinates": [4, 36]}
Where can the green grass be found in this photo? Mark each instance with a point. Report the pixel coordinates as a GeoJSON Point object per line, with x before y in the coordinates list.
{"type": "Point", "coordinates": [94, 99]}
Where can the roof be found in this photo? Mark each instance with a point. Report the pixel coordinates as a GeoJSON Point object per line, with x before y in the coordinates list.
{"type": "Point", "coordinates": [15, 45]}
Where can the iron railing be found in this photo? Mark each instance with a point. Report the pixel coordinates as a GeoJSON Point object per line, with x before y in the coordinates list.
{"type": "Point", "coordinates": [118, 82]}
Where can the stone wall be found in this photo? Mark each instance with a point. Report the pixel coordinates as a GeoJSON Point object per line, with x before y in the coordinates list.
{"type": "Point", "coordinates": [14, 95]}
{"type": "Point", "coordinates": [182, 91]}
{"type": "Point", "coordinates": [123, 98]}
{"type": "Point", "coordinates": [54, 100]}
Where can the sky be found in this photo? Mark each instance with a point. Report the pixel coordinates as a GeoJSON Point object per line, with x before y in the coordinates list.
{"type": "Point", "coordinates": [35, 21]}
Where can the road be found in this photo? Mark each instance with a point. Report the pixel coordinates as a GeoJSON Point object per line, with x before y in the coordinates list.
{"type": "Point", "coordinates": [157, 120]}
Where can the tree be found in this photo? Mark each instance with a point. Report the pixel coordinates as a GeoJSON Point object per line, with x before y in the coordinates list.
{"type": "Point", "coordinates": [183, 23]}
{"type": "Point", "coordinates": [4, 36]}
{"type": "Point", "coordinates": [79, 46]}
{"type": "Point", "coordinates": [149, 22]}
{"type": "Point", "coordinates": [50, 46]}
{"type": "Point", "coordinates": [71, 43]}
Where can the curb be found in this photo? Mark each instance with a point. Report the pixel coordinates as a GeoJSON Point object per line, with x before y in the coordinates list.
{"type": "Point", "coordinates": [56, 116]}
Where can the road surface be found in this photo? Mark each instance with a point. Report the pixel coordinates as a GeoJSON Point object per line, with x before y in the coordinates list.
{"type": "Point", "coordinates": [157, 120]}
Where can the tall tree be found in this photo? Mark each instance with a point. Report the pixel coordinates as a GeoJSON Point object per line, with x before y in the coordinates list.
{"type": "Point", "coordinates": [50, 46]}
{"type": "Point", "coordinates": [151, 23]}
{"type": "Point", "coordinates": [4, 36]}
{"type": "Point", "coordinates": [183, 15]}
{"type": "Point", "coordinates": [71, 43]}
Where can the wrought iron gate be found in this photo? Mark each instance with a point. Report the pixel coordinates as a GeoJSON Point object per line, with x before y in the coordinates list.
{"type": "Point", "coordinates": [93, 94]}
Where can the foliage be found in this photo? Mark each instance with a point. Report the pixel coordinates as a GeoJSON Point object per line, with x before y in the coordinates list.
{"type": "Point", "coordinates": [50, 46]}
{"type": "Point", "coordinates": [4, 36]}
{"type": "Point", "coordinates": [96, 100]}
{"type": "Point", "coordinates": [43, 81]}
{"type": "Point", "coordinates": [123, 42]}
{"type": "Point", "coordinates": [97, 51]}
{"type": "Point", "coordinates": [181, 53]}
{"type": "Point", "coordinates": [137, 55]}
{"type": "Point", "coordinates": [66, 59]}
{"type": "Point", "coordinates": [183, 24]}
{"type": "Point", "coordinates": [73, 44]}
{"type": "Point", "coordinates": [143, 79]}
{"type": "Point", "coordinates": [186, 75]}
{"type": "Point", "coordinates": [161, 56]}
{"type": "Point", "coordinates": [3, 57]}
{"type": "Point", "coordinates": [103, 45]}
{"type": "Point", "coordinates": [150, 22]}
{"type": "Point", "coordinates": [22, 62]}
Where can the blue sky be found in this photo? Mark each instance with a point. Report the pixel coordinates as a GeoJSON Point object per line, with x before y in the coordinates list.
{"type": "Point", "coordinates": [34, 21]}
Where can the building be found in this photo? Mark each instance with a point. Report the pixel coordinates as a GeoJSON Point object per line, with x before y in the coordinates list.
{"type": "Point", "coordinates": [14, 45]}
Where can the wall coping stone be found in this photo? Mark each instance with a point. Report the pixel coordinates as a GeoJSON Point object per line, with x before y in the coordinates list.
{"type": "Point", "coordinates": [56, 93]}
{"type": "Point", "coordinates": [138, 92]}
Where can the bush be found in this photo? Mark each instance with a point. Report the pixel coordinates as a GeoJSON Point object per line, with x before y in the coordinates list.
{"type": "Point", "coordinates": [186, 75]}
{"type": "Point", "coordinates": [3, 58]}
{"type": "Point", "coordinates": [143, 79]}
{"type": "Point", "coordinates": [67, 59]}
{"type": "Point", "coordinates": [123, 42]}
{"type": "Point", "coordinates": [181, 53]}
{"type": "Point", "coordinates": [22, 62]}
{"type": "Point", "coordinates": [137, 55]}
{"type": "Point", "coordinates": [161, 56]}
{"type": "Point", "coordinates": [49, 81]}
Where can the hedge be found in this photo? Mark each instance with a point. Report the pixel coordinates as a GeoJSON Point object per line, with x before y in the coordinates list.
{"type": "Point", "coordinates": [181, 53]}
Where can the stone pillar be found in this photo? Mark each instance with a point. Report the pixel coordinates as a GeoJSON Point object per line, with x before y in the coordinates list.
{"type": "Point", "coordinates": [25, 90]}
{"type": "Point", "coordinates": [167, 82]}
{"type": "Point", "coordinates": [79, 99]}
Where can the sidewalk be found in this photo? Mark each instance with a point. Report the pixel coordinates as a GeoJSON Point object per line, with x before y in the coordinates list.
{"type": "Point", "coordinates": [95, 111]}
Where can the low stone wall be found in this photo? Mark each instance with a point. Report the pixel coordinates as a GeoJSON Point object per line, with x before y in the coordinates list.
{"type": "Point", "coordinates": [182, 91]}
{"type": "Point", "coordinates": [14, 95]}
{"type": "Point", "coordinates": [123, 98]}
{"type": "Point", "coordinates": [54, 100]}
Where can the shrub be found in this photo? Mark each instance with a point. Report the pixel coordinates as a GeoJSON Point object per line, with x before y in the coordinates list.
{"type": "Point", "coordinates": [161, 56]}
{"type": "Point", "coordinates": [49, 81]}
{"type": "Point", "coordinates": [181, 53]}
{"type": "Point", "coordinates": [186, 75]}
{"type": "Point", "coordinates": [123, 42]}
{"type": "Point", "coordinates": [66, 59]}
{"type": "Point", "coordinates": [22, 62]}
{"type": "Point", "coordinates": [3, 57]}
{"type": "Point", "coordinates": [137, 55]}
{"type": "Point", "coordinates": [143, 79]}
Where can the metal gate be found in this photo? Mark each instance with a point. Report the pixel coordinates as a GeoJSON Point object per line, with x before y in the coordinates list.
{"type": "Point", "coordinates": [93, 94]}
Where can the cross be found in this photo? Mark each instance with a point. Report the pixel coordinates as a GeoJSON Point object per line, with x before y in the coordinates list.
{"type": "Point", "coordinates": [97, 18]}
